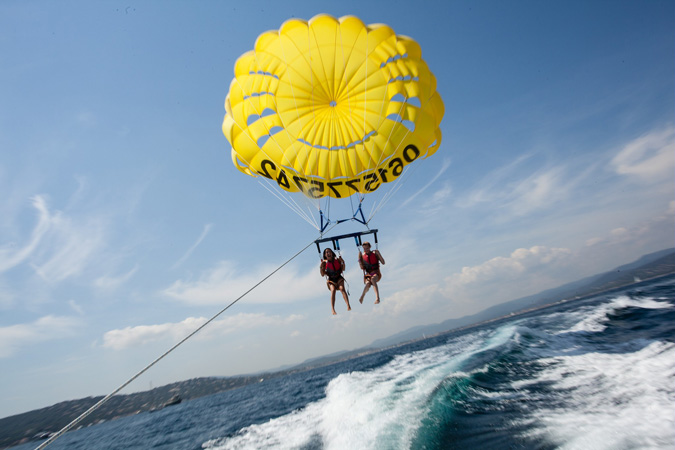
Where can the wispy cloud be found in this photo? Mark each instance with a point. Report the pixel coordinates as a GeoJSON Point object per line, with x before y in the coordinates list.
{"type": "Point", "coordinates": [444, 167]}
{"type": "Point", "coordinates": [172, 332]}
{"type": "Point", "coordinates": [650, 157]}
{"type": "Point", "coordinates": [515, 190]}
{"type": "Point", "coordinates": [537, 191]}
{"type": "Point", "coordinates": [47, 328]}
{"type": "Point", "coordinates": [110, 282]}
{"type": "Point", "coordinates": [189, 251]}
{"type": "Point", "coordinates": [491, 186]}
{"type": "Point", "coordinates": [59, 246]}
{"type": "Point", "coordinates": [10, 256]}
{"type": "Point", "coordinates": [69, 247]}
{"type": "Point", "coordinates": [77, 308]}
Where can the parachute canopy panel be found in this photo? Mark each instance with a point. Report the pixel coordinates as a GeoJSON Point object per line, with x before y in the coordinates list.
{"type": "Point", "coordinates": [332, 107]}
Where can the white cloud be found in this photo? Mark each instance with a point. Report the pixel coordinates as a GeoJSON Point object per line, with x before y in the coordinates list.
{"type": "Point", "coordinates": [539, 190]}
{"type": "Point", "coordinates": [500, 267]}
{"type": "Point", "coordinates": [59, 246]}
{"type": "Point", "coordinates": [47, 328]}
{"type": "Point", "coordinates": [656, 229]}
{"type": "Point", "coordinates": [173, 332]}
{"type": "Point", "coordinates": [69, 247]}
{"type": "Point", "coordinates": [650, 157]}
{"type": "Point", "coordinates": [224, 283]}
{"type": "Point", "coordinates": [11, 257]}
{"type": "Point", "coordinates": [408, 300]}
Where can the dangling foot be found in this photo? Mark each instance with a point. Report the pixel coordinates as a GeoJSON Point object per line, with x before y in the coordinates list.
{"type": "Point", "coordinates": [361, 300]}
{"type": "Point", "coordinates": [377, 301]}
{"type": "Point", "coordinates": [349, 308]}
{"type": "Point", "coordinates": [334, 313]}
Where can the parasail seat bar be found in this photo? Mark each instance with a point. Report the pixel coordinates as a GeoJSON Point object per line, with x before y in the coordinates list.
{"type": "Point", "coordinates": [336, 239]}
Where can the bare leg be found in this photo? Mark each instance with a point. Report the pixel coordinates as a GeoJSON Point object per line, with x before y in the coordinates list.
{"type": "Point", "coordinates": [344, 295]}
{"type": "Point", "coordinates": [374, 281]}
{"type": "Point", "coordinates": [365, 289]}
{"type": "Point", "coordinates": [332, 298]}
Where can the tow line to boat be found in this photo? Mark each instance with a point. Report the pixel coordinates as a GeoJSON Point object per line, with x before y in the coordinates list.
{"type": "Point", "coordinates": [130, 380]}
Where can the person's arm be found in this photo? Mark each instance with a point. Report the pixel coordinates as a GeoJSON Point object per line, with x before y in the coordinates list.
{"type": "Point", "coordinates": [342, 265]}
{"type": "Point", "coordinates": [379, 256]}
{"type": "Point", "coordinates": [322, 268]}
{"type": "Point", "coordinates": [361, 262]}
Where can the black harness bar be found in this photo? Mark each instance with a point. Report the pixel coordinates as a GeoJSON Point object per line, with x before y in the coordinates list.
{"type": "Point", "coordinates": [336, 239]}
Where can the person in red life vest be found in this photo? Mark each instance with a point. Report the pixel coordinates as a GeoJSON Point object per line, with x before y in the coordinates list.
{"type": "Point", "coordinates": [332, 268]}
{"type": "Point", "coordinates": [370, 263]}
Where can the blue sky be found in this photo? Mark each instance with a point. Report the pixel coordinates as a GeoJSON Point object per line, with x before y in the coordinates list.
{"type": "Point", "coordinates": [124, 224]}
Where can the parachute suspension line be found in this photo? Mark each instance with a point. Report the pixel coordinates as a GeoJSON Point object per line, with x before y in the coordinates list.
{"type": "Point", "coordinates": [398, 183]}
{"type": "Point", "coordinates": [383, 201]}
{"type": "Point", "coordinates": [287, 200]}
{"type": "Point", "coordinates": [146, 368]}
{"type": "Point", "coordinates": [292, 204]}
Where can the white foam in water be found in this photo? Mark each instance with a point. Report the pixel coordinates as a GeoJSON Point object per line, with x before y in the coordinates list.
{"type": "Point", "coordinates": [598, 400]}
{"type": "Point", "coordinates": [381, 408]}
{"type": "Point", "coordinates": [596, 317]}
{"type": "Point", "coordinates": [611, 400]}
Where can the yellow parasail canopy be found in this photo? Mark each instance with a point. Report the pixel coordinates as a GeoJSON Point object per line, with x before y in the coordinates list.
{"type": "Point", "coordinates": [332, 107]}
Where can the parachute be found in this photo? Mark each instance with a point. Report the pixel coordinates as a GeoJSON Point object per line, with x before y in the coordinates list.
{"type": "Point", "coordinates": [331, 108]}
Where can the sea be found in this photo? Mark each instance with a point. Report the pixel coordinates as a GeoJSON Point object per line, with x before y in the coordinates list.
{"type": "Point", "coordinates": [587, 373]}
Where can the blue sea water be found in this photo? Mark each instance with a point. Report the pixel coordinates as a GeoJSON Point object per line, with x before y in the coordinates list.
{"type": "Point", "coordinates": [593, 373]}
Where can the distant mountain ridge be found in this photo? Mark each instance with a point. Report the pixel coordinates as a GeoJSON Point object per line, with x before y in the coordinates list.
{"type": "Point", "coordinates": [24, 427]}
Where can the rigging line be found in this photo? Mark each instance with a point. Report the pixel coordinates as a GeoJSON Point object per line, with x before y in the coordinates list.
{"type": "Point", "coordinates": [125, 384]}
{"type": "Point", "coordinates": [289, 200]}
{"type": "Point", "coordinates": [286, 200]}
{"type": "Point", "coordinates": [291, 204]}
{"type": "Point", "coordinates": [397, 185]}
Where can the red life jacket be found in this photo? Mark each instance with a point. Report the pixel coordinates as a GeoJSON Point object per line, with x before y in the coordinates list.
{"type": "Point", "coordinates": [334, 269]}
{"type": "Point", "coordinates": [370, 262]}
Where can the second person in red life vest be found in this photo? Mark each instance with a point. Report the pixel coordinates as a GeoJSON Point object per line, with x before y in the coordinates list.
{"type": "Point", "coordinates": [370, 263]}
{"type": "Point", "coordinates": [332, 268]}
